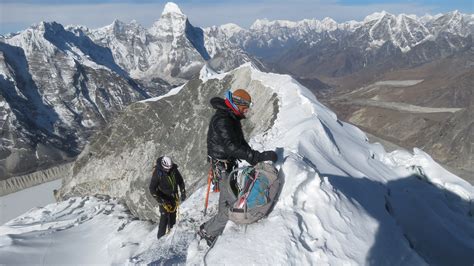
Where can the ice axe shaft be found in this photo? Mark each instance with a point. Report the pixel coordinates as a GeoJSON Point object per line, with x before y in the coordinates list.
{"type": "Point", "coordinates": [209, 180]}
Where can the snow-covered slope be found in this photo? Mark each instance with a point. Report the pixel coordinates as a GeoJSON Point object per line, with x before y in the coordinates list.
{"type": "Point", "coordinates": [344, 201]}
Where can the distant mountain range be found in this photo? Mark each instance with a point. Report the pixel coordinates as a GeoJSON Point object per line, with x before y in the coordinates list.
{"type": "Point", "coordinates": [310, 48]}
{"type": "Point", "coordinates": [59, 84]}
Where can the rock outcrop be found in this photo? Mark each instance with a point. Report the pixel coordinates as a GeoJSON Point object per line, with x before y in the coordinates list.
{"type": "Point", "coordinates": [119, 160]}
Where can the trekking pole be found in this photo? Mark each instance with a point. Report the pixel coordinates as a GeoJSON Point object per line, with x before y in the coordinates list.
{"type": "Point", "coordinates": [209, 177]}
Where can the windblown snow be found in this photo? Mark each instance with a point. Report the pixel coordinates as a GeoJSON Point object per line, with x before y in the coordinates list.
{"type": "Point", "coordinates": [344, 201]}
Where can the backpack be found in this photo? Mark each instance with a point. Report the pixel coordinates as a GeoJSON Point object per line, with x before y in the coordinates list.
{"type": "Point", "coordinates": [257, 189]}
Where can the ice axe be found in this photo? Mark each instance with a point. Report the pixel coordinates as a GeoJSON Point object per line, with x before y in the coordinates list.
{"type": "Point", "coordinates": [209, 180]}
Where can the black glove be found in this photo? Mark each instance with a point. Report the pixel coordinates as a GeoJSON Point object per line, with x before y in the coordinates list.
{"type": "Point", "coordinates": [183, 195]}
{"type": "Point", "coordinates": [253, 157]}
{"type": "Point", "coordinates": [267, 156]}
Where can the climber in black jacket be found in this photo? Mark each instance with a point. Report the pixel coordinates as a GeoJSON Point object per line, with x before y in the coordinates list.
{"type": "Point", "coordinates": [225, 145]}
{"type": "Point", "coordinates": [164, 185]}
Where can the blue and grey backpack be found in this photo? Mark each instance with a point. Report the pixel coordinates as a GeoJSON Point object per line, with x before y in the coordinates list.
{"type": "Point", "coordinates": [257, 189]}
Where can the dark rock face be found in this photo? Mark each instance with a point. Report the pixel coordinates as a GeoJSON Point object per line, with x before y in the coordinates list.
{"type": "Point", "coordinates": [119, 160]}
{"type": "Point", "coordinates": [196, 36]}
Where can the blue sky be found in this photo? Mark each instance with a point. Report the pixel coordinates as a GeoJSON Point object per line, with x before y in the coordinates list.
{"type": "Point", "coordinates": [17, 15]}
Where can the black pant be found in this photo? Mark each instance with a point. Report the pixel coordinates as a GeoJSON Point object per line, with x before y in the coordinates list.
{"type": "Point", "coordinates": [167, 221]}
{"type": "Point", "coordinates": [215, 226]}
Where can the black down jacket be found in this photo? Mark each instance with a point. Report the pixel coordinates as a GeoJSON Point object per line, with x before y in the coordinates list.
{"type": "Point", "coordinates": [225, 139]}
{"type": "Point", "coordinates": [164, 186]}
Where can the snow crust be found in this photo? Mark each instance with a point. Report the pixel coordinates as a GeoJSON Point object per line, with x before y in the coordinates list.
{"type": "Point", "coordinates": [345, 201]}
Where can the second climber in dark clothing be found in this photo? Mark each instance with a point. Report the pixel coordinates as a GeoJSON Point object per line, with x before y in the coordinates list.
{"type": "Point", "coordinates": [225, 145]}
{"type": "Point", "coordinates": [164, 185]}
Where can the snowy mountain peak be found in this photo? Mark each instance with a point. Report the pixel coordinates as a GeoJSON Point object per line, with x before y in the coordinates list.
{"type": "Point", "coordinates": [44, 26]}
{"type": "Point", "coordinates": [375, 16]}
{"type": "Point", "coordinates": [259, 24]}
{"type": "Point", "coordinates": [455, 13]}
{"type": "Point", "coordinates": [38, 35]}
{"type": "Point", "coordinates": [329, 23]}
{"type": "Point", "coordinates": [453, 17]}
{"type": "Point", "coordinates": [231, 28]}
{"type": "Point", "coordinates": [117, 25]}
{"type": "Point", "coordinates": [118, 22]}
{"type": "Point", "coordinates": [172, 8]}
{"type": "Point", "coordinates": [171, 22]}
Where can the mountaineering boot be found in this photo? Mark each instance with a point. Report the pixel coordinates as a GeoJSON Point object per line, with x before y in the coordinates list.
{"type": "Point", "coordinates": [210, 240]}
